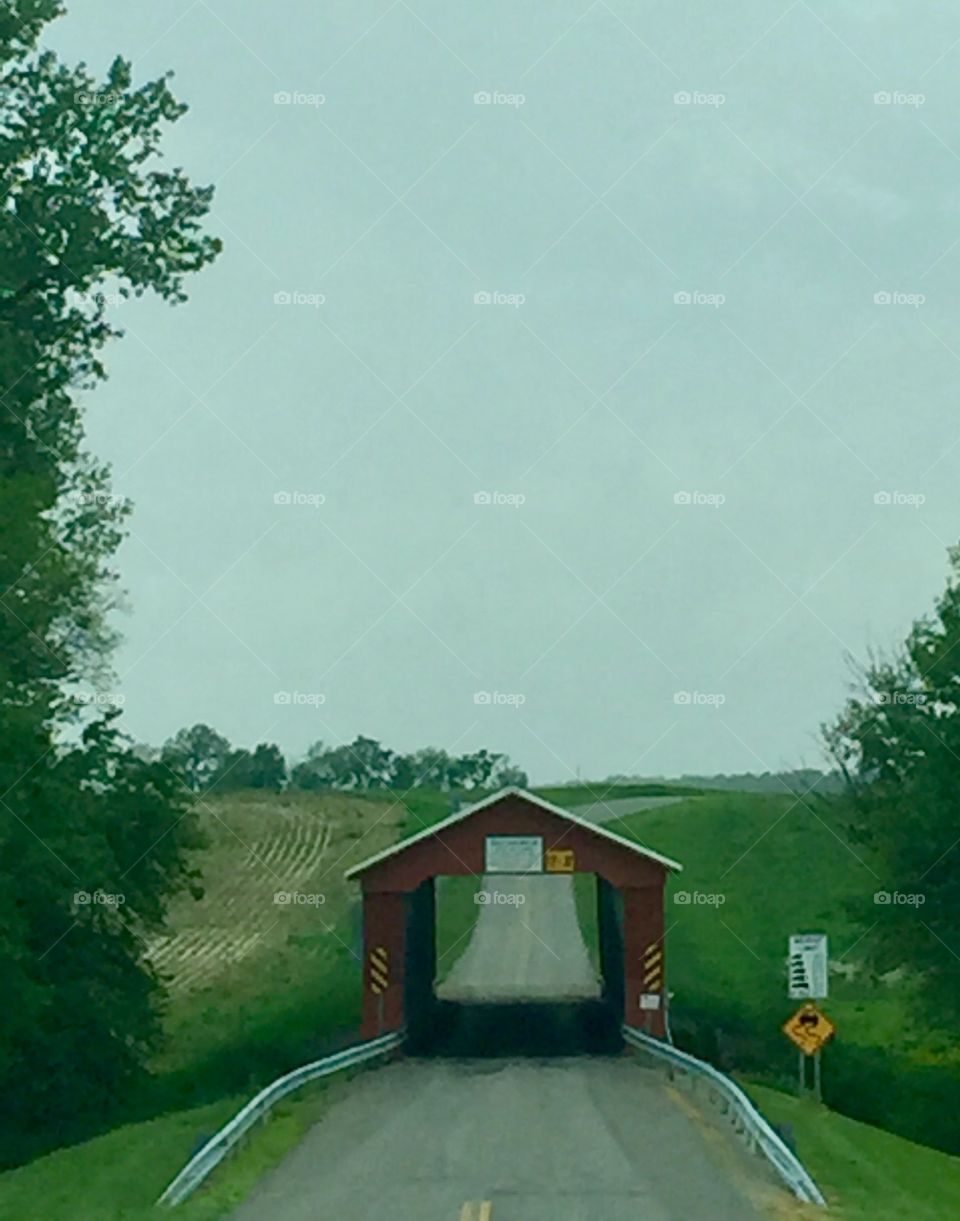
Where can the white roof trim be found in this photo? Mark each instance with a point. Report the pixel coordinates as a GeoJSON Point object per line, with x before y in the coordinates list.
{"type": "Point", "coordinates": [512, 791]}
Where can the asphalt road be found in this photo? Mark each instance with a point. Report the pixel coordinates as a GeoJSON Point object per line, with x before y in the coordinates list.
{"type": "Point", "coordinates": [567, 1138]}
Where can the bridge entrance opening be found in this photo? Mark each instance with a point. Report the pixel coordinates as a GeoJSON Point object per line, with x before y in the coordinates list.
{"type": "Point", "coordinates": [513, 972]}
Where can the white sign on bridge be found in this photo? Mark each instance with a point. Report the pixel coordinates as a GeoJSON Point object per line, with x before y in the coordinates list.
{"type": "Point", "coordinates": [807, 967]}
{"type": "Point", "coordinates": [513, 854]}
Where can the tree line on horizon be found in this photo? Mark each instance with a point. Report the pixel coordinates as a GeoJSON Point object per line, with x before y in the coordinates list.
{"type": "Point", "coordinates": [206, 762]}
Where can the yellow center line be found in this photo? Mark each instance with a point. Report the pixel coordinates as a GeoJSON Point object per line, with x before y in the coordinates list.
{"type": "Point", "coordinates": [485, 1211]}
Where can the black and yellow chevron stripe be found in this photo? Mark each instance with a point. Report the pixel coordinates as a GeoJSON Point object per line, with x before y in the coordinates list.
{"type": "Point", "coordinates": [379, 963]}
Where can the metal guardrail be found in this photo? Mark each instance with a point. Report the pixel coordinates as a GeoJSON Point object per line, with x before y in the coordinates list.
{"type": "Point", "coordinates": [757, 1132]}
{"type": "Point", "coordinates": [219, 1145]}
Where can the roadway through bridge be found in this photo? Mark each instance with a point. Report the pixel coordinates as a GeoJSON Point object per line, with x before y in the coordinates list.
{"type": "Point", "coordinates": [512, 1137]}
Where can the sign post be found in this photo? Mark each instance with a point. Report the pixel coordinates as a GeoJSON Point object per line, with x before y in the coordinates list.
{"type": "Point", "coordinates": [807, 977]}
{"type": "Point", "coordinates": [809, 1029]}
{"type": "Point", "coordinates": [807, 980]}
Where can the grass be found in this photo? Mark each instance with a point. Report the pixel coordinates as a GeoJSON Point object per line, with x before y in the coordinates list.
{"type": "Point", "coordinates": [865, 1173]}
{"type": "Point", "coordinates": [297, 995]}
{"type": "Point", "coordinates": [757, 868]}
{"type": "Point", "coordinates": [115, 1177]}
{"type": "Point", "coordinates": [771, 866]}
{"type": "Point", "coordinates": [585, 900]}
{"type": "Point", "coordinates": [119, 1176]}
{"type": "Point", "coordinates": [293, 998]}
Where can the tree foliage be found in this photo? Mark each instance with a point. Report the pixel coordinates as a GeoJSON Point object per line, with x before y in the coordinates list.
{"type": "Point", "coordinates": [365, 764]}
{"type": "Point", "coordinates": [897, 742]}
{"type": "Point", "coordinates": [87, 208]}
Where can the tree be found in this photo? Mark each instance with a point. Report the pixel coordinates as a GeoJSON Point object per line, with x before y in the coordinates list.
{"type": "Point", "coordinates": [506, 775]}
{"type": "Point", "coordinates": [897, 743]}
{"type": "Point", "coordinates": [474, 771]}
{"type": "Point", "coordinates": [361, 764]}
{"type": "Point", "coordinates": [85, 208]}
{"type": "Point", "coordinates": [431, 768]}
{"type": "Point", "coordinates": [263, 768]}
{"type": "Point", "coordinates": [368, 764]}
{"type": "Point", "coordinates": [313, 773]}
{"type": "Point", "coordinates": [200, 755]}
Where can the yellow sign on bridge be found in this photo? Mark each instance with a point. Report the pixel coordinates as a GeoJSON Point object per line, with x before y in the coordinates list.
{"type": "Point", "coordinates": [561, 860]}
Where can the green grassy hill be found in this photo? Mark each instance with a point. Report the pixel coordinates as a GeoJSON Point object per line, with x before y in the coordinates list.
{"type": "Point", "coordinates": [772, 866]}
{"type": "Point", "coordinates": [865, 1174]}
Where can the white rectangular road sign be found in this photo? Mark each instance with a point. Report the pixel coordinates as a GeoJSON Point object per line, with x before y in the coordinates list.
{"type": "Point", "coordinates": [807, 967]}
{"type": "Point", "coordinates": [513, 854]}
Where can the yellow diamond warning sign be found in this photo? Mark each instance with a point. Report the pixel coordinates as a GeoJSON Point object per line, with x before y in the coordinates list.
{"type": "Point", "coordinates": [809, 1029]}
{"type": "Point", "coordinates": [561, 860]}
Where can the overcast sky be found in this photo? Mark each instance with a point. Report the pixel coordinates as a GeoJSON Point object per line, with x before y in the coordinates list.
{"type": "Point", "coordinates": [381, 163]}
